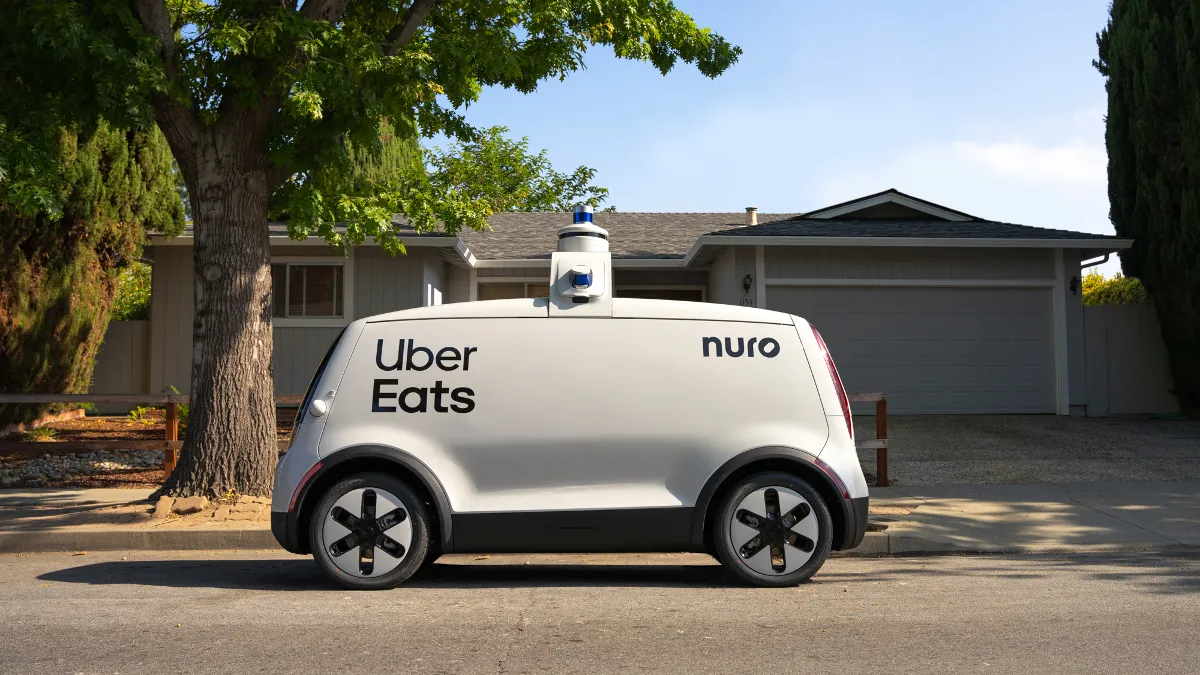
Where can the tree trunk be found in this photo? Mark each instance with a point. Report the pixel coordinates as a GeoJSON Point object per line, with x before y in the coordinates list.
{"type": "Point", "coordinates": [230, 444]}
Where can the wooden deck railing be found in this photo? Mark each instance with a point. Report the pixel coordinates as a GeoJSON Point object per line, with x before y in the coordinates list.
{"type": "Point", "coordinates": [880, 442]}
{"type": "Point", "coordinates": [170, 445]}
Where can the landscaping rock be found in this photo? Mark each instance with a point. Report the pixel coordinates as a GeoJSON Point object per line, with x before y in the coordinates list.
{"type": "Point", "coordinates": [221, 513]}
{"type": "Point", "coordinates": [243, 515]}
{"type": "Point", "coordinates": [163, 508]}
{"type": "Point", "coordinates": [50, 468]}
{"type": "Point", "coordinates": [247, 508]}
{"type": "Point", "coordinates": [188, 505]}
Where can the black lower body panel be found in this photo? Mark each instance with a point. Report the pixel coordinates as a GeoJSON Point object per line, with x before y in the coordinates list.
{"type": "Point", "coordinates": [585, 531]}
{"type": "Point", "coordinates": [856, 523]}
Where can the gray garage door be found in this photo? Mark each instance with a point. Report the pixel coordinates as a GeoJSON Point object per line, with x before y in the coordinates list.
{"type": "Point", "coordinates": [936, 350]}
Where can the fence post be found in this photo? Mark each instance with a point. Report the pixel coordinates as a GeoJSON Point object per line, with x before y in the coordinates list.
{"type": "Point", "coordinates": [171, 454]}
{"type": "Point", "coordinates": [881, 459]}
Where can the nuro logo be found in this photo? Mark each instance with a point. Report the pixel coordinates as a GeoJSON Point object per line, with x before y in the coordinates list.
{"type": "Point", "coordinates": [767, 347]}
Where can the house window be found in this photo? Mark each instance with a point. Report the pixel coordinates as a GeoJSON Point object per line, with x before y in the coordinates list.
{"type": "Point", "coordinates": [509, 291]}
{"type": "Point", "coordinates": [307, 290]}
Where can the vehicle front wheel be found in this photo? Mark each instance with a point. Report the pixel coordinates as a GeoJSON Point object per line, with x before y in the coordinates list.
{"type": "Point", "coordinates": [773, 529]}
{"type": "Point", "coordinates": [370, 531]}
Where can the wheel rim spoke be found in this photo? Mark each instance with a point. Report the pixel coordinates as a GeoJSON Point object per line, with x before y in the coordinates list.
{"type": "Point", "coordinates": [797, 540]}
{"type": "Point", "coordinates": [797, 514]}
{"type": "Point", "coordinates": [391, 519]}
{"type": "Point", "coordinates": [390, 546]}
{"type": "Point", "coordinates": [772, 499]}
{"type": "Point", "coordinates": [752, 547]}
{"type": "Point", "coordinates": [749, 519]}
{"type": "Point", "coordinates": [344, 518]}
{"type": "Point", "coordinates": [366, 558]}
{"type": "Point", "coordinates": [344, 545]}
{"type": "Point", "coordinates": [778, 560]}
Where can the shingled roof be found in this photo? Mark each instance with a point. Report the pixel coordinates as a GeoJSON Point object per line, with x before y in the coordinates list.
{"type": "Point", "coordinates": [800, 226]}
{"type": "Point", "coordinates": [632, 235]}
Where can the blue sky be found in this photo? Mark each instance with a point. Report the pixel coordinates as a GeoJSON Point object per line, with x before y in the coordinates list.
{"type": "Point", "coordinates": [992, 108]}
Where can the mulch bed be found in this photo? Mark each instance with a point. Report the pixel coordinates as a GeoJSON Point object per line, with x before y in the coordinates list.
{"type": "Point", "coordinates": [111, 428]}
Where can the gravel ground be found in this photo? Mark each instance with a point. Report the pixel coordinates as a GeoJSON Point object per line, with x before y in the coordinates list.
{"type": "Point", "coordinates": [56, 468]}
{"type": "Point", "coordinates": [954, 449]}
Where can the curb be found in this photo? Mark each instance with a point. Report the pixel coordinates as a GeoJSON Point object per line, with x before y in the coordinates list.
{"type": "Point", "coordinates": [50, 541]}
{"type": "Point", "coordinates": [883, 544]}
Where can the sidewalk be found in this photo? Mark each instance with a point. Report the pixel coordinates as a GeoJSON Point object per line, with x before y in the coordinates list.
{"type": "Point", "coordinates": [1035, 518]}
{"type": "Point", "coordinates": [1026, 518]}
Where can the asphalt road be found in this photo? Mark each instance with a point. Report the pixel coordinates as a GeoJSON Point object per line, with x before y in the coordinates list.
{"type": "Point", "coordinates": [233, 612]}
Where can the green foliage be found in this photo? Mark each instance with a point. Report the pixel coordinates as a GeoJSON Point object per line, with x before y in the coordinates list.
{"type": "Point", "coordinates": [1119, 290]}
{"type": "Point", "coordinates": [143, 415]}
{"type": "Point", "coordinates": [132, 302]}
{"type": "Point", "coordinates": [40, 434]}
{"type": "Point", "coordinates": [329, 80]}
{"type": "Point", "coordinates": [59, 267]}
{"type": "Point", "coordinates": [1149, 54]}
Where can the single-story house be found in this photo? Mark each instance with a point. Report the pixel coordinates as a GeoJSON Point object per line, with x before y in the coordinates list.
{"type": "Point", "coordinates": [944, 311]}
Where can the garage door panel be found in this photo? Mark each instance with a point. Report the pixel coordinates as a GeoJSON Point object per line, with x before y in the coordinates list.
{"type": "Point", "coordinates": [936, 350]}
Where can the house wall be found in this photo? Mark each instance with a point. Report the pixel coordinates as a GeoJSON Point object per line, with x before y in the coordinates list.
{"type": "Point", "coordinates": [458, 284]}
{"type": "Point", "coordinates": [122, 366]}
{"type": "Point", "coordinates": [640, 277]}
{"type": "Point", "coordinates": [725, 279]}
{"type": "Point", "coordinates": [381, 283]}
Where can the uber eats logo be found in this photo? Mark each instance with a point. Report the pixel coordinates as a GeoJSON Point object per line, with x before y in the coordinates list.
{"type": "Point", "coordinates": [410, 357]}
{"type": "Point", "coordinates": [767, 347]}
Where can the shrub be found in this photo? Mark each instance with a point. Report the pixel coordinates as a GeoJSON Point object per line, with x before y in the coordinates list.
{"type": "Point", "coordinates": [1119, 290]}
{"type": "Point", "coordinates": [132, 301]}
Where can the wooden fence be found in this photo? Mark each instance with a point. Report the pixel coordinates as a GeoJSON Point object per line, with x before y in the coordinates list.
{"type": "Point", "coordinates": [171, 444]}
{"type": "Point", "coordinates": [880, 442]}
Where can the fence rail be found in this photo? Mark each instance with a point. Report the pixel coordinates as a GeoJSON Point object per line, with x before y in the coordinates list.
{"type": "Point", "coordinates": [880, 442]}
{"type": "Point", "coordinates": [170, 444]}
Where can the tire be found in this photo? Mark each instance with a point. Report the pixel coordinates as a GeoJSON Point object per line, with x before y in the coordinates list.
{"type": "Point", "coordinates": [773, 529]}
{"type": "Point", "coordinates": [400, 519]}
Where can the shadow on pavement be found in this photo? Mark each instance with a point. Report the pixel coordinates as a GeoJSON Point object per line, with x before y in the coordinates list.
{"type": "Point", "coordinates": [1159, 573]}
{"type": "Point", "coordinates": [1176, 572]}
{"type": "Point", "coordinates": [303, 575]}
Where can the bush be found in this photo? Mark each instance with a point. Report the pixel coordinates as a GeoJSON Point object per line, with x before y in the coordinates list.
{"type": "Point", "coordinates": [1119, 290]}
{"type": "Point", "coordinates": [132, 302]}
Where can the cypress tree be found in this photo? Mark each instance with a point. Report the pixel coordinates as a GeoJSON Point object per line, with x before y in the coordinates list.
{"type": "Point", "coordinates": [60, 262]}
{"type": "Point", "coordinates": [1150, 58]}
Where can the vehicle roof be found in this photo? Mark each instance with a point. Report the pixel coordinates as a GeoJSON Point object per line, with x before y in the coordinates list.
{"type": "Point", "coordinates": [623, 308]}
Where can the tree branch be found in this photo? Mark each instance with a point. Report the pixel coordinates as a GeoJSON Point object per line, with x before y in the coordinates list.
{"type": "Point", "coordinates": [404, 31]}
{"type": "Point", "coordinates": [154, 19]}
{"type": "Point", "coordinates": [324, 10]}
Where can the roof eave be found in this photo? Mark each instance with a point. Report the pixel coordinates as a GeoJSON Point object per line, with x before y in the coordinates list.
{"type": "Point", "coordinates": [714, 240]}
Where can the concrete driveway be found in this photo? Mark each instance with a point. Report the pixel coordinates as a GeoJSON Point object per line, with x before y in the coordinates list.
{"type": "Point", "coordinates": [956, 449]}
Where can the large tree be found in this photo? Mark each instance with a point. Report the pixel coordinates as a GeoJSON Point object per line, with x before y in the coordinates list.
{"type": "Point", "coordinates": [1150, 58]}
{"type": "Point", "coordinates": [65, 244]}
{"type": "Point", "coordinates": [259, 100]}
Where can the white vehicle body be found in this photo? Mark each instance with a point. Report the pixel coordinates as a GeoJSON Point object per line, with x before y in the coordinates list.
{"type": "Point", "coordinates": [601, 424]}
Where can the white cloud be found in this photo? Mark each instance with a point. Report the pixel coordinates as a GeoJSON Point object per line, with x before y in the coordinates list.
{"type": "Point", "coordinates": [1078, 162]}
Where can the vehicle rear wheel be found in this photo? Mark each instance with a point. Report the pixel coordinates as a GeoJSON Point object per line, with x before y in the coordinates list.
{"type": "Point", "coordinates": [370, 531]}
{"type": "Point", "coordinates": [773, 529]}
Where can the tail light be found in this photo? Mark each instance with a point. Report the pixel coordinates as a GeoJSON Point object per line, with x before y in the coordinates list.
{"type": "Point", "coordinates": [837, 380]}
